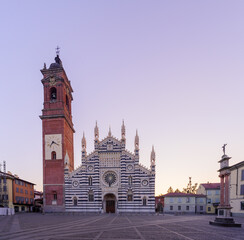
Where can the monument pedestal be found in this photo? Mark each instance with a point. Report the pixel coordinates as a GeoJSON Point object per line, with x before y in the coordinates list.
{"type": "Point", "coordinates": [224, 218]}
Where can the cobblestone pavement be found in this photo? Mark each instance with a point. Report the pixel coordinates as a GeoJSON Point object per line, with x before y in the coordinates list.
{"type": "Point", "coordinates": [111, 226]}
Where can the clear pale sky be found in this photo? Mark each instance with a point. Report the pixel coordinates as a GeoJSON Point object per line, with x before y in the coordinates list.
{"type": "Point", "coordinates": [174, 70]}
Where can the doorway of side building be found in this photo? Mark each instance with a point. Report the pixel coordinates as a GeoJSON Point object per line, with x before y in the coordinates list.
{"type": "Point", "coordinates": [110, 201]}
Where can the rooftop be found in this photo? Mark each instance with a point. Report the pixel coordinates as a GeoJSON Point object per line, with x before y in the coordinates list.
{"type": "Point", "coordinates": [211, 185]}
{"type": "Point", "coordinates": [183, 195]}
{"type": "Point", "coordinates": [14, 176]}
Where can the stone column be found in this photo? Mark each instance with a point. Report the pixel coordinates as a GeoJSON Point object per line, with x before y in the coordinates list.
{"type": "Point", "coordinates": [222, 190]}
{"type": "Point", "coordinates": [227, 190]}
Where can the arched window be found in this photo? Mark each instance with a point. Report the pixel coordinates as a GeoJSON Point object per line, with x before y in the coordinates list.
{"type": "Point", "coordinates": [75, 201]}
{"type": "Point", "coordinates": [130, 180]}
{"type": "Point", "coordinates": [55, 195]}
{"type": "Point", "coordinates": [90, 196]}
{"type": "Point", "coordinates": [53, 94]}
{"type": "Point", "coordinates": [144, 201]}
{"type": "Point", "coordinates": [129, 196]}
{"type": "Point", "coordinates": [53, 155]}
{"type": "Point", "coordinates": [67, 102]}
{"type": "Point", "coordinates": [90, 181]}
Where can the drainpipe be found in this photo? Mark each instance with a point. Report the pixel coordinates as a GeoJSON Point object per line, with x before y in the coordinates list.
{"type": "Point", "coordinates": [236, 181]}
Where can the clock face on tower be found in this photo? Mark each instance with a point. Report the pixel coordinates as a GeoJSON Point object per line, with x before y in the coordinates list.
{"type": "Point", "coordinates": [53, 146]}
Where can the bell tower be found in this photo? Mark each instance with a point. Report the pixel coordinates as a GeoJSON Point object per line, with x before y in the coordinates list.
{"type": "Point", "coordinates": [57, 134]}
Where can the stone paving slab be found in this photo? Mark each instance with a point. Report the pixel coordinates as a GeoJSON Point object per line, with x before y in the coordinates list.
{"type": "Point", "coordinates": [111, 226]}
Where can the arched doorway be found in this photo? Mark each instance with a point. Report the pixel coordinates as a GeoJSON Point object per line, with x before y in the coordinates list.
{"type": "Point", "coordinates": [110, 202]}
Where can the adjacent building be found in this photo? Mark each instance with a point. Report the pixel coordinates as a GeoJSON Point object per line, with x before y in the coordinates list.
{"type": "Point", "coordinates": [212, 191]}
{"type": "Point", "coordinates": [16, 193]}
{"type": "Point", "coordinates": [236, 186]}
{"type": "Point", "coordinates": [6, 190]}
{"type": "Point", "coordinates": [38, 201]}
{"type": "Point", "coordinates": [184, 203]}
{"type": "Point", "coordinates": [159, 204]}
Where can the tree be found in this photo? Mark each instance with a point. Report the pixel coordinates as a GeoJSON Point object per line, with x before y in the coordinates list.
{"type": "Point", "coordinates": [190, 188]}
{"type": "Point", "coordinates": [170, 190]}
{"type": "Point", "coordinates": [177, 190]}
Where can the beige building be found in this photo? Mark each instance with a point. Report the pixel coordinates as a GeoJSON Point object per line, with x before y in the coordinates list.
{"type": "Point", "coordinates": [237, 189]}
{"type": "Point", "coordinates": [184, 203]}
{"type": "Point", "coordinates": [212, 191]}
{"type": "Point", "coordinates": [6, 190]}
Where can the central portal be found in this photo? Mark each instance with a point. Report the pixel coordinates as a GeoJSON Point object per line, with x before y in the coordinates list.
{"type": "Point", "coordinates": [110, 201]}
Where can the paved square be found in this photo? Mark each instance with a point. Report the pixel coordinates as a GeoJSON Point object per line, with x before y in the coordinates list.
{"type": "Point", "coordinates": [112, 226]}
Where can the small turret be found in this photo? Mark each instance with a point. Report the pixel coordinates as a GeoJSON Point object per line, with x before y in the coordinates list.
{"type": "Point", "coordinates": [153, 156]}
{"type": "Point", "coordinates": [83, 143]}
{"type": "Point", "coordinates": [123, 131]}
{"type": "Point", "coordinates": [96, 132]}
{"type": "Point", "coordinates": [136, 141]}
{"type": "Point", "coordinates": [109, 132]}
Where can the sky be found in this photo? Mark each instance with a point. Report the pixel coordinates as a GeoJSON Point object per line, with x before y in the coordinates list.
{"type": "Point", "coordinates": [173, 70]}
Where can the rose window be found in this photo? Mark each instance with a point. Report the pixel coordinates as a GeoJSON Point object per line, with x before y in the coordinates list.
{"type": "Point", "coordinates": [110, 178]}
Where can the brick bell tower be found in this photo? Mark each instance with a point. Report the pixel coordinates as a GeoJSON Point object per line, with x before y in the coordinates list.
{"type": "Point", "coordinates": [57, 134]}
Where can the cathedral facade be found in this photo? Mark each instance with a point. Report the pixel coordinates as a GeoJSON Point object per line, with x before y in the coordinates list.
{"type": "Point", "coordinates": [110, 179]}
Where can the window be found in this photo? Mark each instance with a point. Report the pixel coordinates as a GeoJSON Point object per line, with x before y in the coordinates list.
{"type": "Point", "coordinates": [129, 196]}
{"type": "Point", "coordinates": [179, 208]}
{"type": "Point", "coordinates": [5, 197]}
{"type": "Point", "coordinates": [242, 205]}
{"type": "Point", "coordinates": [90, 196]}
{"type": "Point", "coordinates": [179, 200]}
{"type": "Point", "coordinates": [144, 201]}
{"type": "Point", "coordinates": [26, 200]}
{"type": "Point", "coordinates": [21, 190]}
{"type": "Point", "coordinates": [201, 208]}
{"type": "Point", "coordinates": [201, 200]}
{"type": "Point", "coordinates": [187, 208]}
{"type": "Point", "coordinates": [242, 174]}
{"type": "Point", "coordinates": [53, 155]}
{"type": "Point", "coordinates": [188, 200]}
{"type": "Point", "coordinates": [209, 192]}
{"type": "Point", "coordinates": [67, 102]}
{"type": "Point", "coordinates": [171, 200]}
{"type": "Point", "coordinates": [4, 180]}
{"type": "Point", "coordinates": [53, 94]}
{"type": "Point", "coordinates": [242, 190]}
{"type": "Point", "coordinates": [26, 192]}
{"type": "Point", "coordinates": [209, 200]}
{"type": "Point", "coordinates": [209, 209]}
{"type": "Point", "coordinates": [90, 181]}
{"type": "Point", "coordinates": [217, 192]}
{"type": "Point", "coordinates": [171, 208]}
{"type": "Point", "coordinates": [130, 180]}
{"type": "Point", "coordinates": [55, 196]}
{"type": "Point", "coordinates": [75, 201]}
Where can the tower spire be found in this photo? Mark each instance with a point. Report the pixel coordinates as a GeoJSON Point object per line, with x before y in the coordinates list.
{"type": "Point", "coordinates": [96, 132]}
{"type": "Point", "coordinates": [123, 130]}
{"type": "Point", "coordinates": [83, 143]}
{"type": "Point", "coordinates": [153, 156]}
{"type": "Point", "coordinates": [109, 132]}
{"type": "Point", "coordinates": [136, 141]}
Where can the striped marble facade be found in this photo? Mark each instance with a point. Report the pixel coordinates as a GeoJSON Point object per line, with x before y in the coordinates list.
{"type": "Point", "coordinates": [111, 179]}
